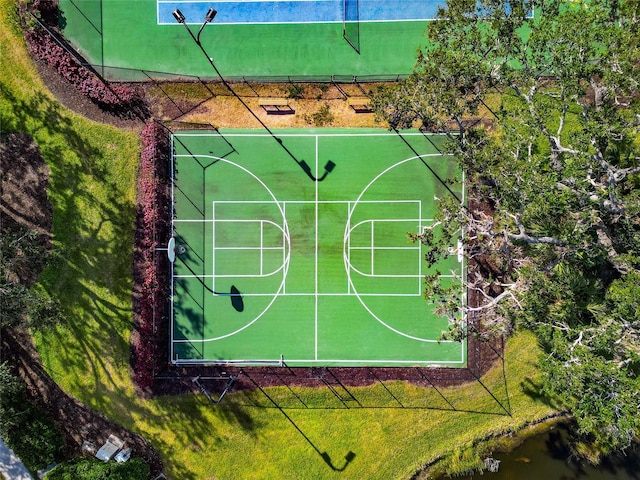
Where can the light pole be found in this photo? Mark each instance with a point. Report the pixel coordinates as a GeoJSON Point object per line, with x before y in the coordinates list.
{"type": "Point", "coordinates": [211, 13]}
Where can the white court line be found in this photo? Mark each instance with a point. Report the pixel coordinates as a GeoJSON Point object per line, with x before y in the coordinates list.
{"type": "Point", "coordinates": [258, 247]}
{"type": "Point", "coordinates": [304, 202]}
{"type": "Point", "coordinates": [372, 248]}
{"type": "Point", "coordinates": [372, 243]}
{"type": "Point", "coordinates": [383, 248]}
{"type": "Point", "coordinates": [173, 229]}
{"type": "Point", "coordinates": [349, 266]}
{"type": "Point", "coordinates": [420, 256]}
{"type": "Point", "coordinates": [316, 253]}
{"type": "Point", "coordinates": [213, 245]}
{"type": "Point", "coordinates": [284, 253]}
{"type": "Point", "coordinates": [313, 294]}
{"type": "Point", "coordinates": [317, 135]}
{"type": "Point", "coordinates": [364, 362]}
{"type": "Point", "coordinates": [348, 226]}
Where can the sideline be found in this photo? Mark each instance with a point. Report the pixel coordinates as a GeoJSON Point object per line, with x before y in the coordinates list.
{"type": "Point", "coordinates": [10, 465]}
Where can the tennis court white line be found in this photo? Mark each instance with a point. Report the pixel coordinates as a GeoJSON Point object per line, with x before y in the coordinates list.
{"type": "Point", "coordinates": [227, 1]}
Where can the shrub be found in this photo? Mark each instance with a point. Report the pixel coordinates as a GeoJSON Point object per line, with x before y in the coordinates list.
{"type": "Point", "coordinates": [296, 91]}
{"type": "Point", "coordinates": [47, 10]}
{"type": "Point", "coordinates": [27, 430]}
{"type": "Point", "coordinates": [35, 439]}
{"type": "Point", "coordinates": [322, 117]}
{"type": "Point", "coordinates": [94, 469]}
{"type": "Point", "coordinates": [151, 218]}
{"type": "Point", "coordinates": [118, 99]}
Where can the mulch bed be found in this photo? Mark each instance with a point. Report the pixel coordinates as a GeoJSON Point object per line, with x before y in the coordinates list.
{"type": "Point", "coordinates": [24, 177]}
{"type": "Point", "coordinates": [175, 380]}
{"type": "Point", "coordinates": [69, 96]}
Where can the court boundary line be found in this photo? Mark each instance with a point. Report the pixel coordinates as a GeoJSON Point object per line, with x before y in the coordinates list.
{"type": "Point", "coordinates": [317, 250]}
{"type": "Point", "coordinates": [307, 362]}
{"type": "Point", "coordinates": [281, 205]}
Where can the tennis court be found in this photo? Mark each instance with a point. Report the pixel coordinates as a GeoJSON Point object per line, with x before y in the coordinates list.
{"type": "Point", "coordinates": [250, 39]}
{"type": "Point", "coordinates": [300, 11]}
{"type": "Point", "coordinates": [293, 247]}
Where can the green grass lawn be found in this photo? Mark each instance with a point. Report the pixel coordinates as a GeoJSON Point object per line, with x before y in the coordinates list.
{"type": "Point", "coordinates": [92, 190]}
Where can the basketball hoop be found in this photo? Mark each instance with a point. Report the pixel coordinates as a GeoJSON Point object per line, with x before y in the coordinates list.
{"type": "Point", "coordinates": [171, 249]}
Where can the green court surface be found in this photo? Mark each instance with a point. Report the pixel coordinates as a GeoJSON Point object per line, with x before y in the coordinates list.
{"type": "Point", "coordinates": [124, 33]}
{"type": "Point", "coordinates": [325, 270]}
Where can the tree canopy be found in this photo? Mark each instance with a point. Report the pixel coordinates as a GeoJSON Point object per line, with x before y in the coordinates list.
{"type": "Point", "coordinates": [93, 469]}
{"type": "Point", "coordinates": [552, 230]}
{"type": "Point", "coordinates": [22, 254]}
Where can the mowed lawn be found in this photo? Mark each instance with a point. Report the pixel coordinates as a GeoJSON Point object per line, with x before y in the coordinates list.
{"type": "Point", "coordinates": [92, 189]}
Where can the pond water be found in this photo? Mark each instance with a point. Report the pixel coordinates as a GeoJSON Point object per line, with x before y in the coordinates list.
{"type": "Point", "coordinates": [547, 457]}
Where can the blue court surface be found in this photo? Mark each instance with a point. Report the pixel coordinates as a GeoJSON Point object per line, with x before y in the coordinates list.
{"type": "Point", "coordinates": [300, 11]}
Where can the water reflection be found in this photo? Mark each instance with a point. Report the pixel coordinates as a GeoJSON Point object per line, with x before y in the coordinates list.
{"type": "Point", "coordinates": [548, 457]}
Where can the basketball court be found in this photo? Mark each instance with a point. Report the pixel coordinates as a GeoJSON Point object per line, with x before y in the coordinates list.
{"type": "Point", "coordinates": [292, 248]}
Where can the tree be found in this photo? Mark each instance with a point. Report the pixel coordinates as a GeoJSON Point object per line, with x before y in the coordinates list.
{"type": "Point", "coordinates": [552, 234]}
{"type": "Point", "coordinates": [29, 431]}
{"type": "Point", "coordinates": [93, 469]}
{"type": "Point", "coordinates": [21, 255]}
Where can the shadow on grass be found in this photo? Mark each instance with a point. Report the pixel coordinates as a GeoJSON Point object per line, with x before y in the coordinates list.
{"type": "Point", "coordinates": [348, 458]}
{"type": "Point", "coordinates": [328, 392]}
{"type": "Point", "coordinates": [535, 391]}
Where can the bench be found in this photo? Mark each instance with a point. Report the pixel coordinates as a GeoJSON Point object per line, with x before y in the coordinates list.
{"type": "Point", "coordinates": [276, 106]}
{"type": "Point", "coordinates": [110, 448]}
{"type": "Point", "coordinates": [359, 104]}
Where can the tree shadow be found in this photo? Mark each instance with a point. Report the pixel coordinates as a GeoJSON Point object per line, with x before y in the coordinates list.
{"type": "Point", "coordinates": [535, 390]}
